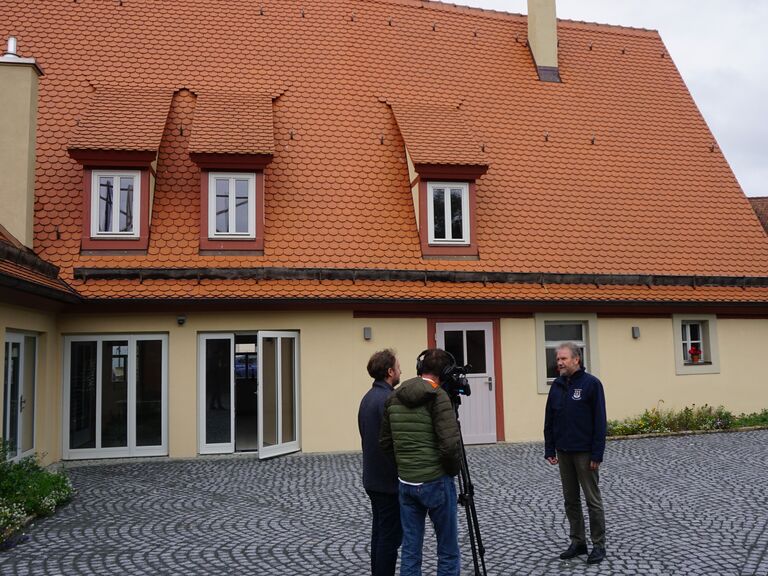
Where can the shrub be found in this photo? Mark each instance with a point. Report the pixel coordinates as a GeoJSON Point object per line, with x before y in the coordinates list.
{"type": "Point", "coordinates": [754, 419]}
{"type": "Point", "coordinates": [689, 418]}
{"type": "Point", "coordinates": [27, 489]}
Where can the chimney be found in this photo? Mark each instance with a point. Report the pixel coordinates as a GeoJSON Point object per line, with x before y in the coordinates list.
{"type": "Point", "coordinates": [18, 118]}
{"type": "Point", "coordinates": [542, 38]}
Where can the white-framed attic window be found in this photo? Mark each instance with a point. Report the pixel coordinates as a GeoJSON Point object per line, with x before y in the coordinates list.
{"type": "Point", "coordinates": [115, 201]}
{"type": "Point", "coordinates": [232, 205]}
{"type": "Point", "coordinates": [448, 213]}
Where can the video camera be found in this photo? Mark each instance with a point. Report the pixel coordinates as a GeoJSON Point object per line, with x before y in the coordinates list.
{"type": "Point", "coordinates": [455, 381]}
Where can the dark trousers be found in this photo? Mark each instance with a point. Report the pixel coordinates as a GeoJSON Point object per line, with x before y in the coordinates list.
{"type": "Point", "coordinates": [575, 474]}
{"type": "Point", "coordinates": [386, 533]}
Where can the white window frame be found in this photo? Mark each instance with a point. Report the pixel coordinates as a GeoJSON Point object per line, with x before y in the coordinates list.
{"type": "Point", "coordinates": [710, 359]}
{"type": "Point", "coordinates": [591, 356]}
{"type": "Point", "coordinates": [131, 449]}
{"type": "Point", "coordinates": [116, 174]}
{"type": "Point", "coordinates": [232, 176]}
{"type": "Point", "coordinates": [449, 240]}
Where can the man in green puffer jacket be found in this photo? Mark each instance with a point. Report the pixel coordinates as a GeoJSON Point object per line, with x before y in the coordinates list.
{"type": "Point", "coordinates": [420, 428]}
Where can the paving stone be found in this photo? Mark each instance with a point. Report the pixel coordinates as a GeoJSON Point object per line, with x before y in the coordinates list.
{"type": "Point", "coordinates": [683, 506]}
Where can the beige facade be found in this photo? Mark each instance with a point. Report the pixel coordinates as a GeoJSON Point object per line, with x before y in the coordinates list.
{"type": "Point", "coordinates": [637, 373]}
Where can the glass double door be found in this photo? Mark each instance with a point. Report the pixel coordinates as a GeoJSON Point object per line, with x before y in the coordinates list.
{"type": "Point", "coordinates": [248, 393]}
{"type": "Point", "coordinates": [115, 396]}
{"type": "Point", "coordinates": [19, 394]}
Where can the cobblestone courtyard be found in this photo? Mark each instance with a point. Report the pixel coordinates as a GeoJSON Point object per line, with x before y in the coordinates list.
{"type": "Point", "coordinates": [689, 505]}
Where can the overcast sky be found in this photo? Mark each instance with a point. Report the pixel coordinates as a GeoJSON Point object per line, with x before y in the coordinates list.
{"type": "Point", "coordinates": [721, 50]}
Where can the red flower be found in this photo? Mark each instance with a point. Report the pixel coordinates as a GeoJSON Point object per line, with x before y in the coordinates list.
{"type": "Point", "coordinates": [694, 350]}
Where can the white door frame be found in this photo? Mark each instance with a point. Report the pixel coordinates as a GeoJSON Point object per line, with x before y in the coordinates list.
{"type": "Point", "coordinates": [280, 447]}
{"type": "Point", "coordinates": [131, 449]}
{"type": "Point", "coordinates": [19, 338]}
{"type": "Point", "coordinates": [203, 446]}
{"type": "Point", "coordinates": [478, 421]}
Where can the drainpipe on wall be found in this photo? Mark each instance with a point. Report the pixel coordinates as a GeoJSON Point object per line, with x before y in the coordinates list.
{"type": "Point", "coordinates": [542, 38]}
{"type": "Point", "coordinates": [18, 118]}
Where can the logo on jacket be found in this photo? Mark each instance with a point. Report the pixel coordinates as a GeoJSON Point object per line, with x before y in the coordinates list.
{"type": "Point", "coordinates": [577, 394]}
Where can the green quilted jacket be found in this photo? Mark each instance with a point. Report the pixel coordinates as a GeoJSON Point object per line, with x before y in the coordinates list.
{"type": "Point", "coordinates": [420, 428]}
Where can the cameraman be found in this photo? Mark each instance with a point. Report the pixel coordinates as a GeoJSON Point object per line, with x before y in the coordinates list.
{"type": "Point", "coordinates": [420, 428]}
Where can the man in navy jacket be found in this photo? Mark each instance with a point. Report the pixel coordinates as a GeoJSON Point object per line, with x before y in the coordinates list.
{"type": "Point", "coordinates": [379, 470]}
{"type": "Point", "coordinates": [574, 438]}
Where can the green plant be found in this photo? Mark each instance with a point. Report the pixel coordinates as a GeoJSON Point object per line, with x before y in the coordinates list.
{"type": "Point", "coordinates": [689, 418]}
{"type": "Point", "coordinates": [753, 419]}
{"type": "Point", "coordinates": [26, 489]}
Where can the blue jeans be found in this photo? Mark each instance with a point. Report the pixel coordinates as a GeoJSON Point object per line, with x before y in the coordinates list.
{"type": "Point", "coordinates": [438, 499]}
{"type": "Point", "coordinates": [386, 533]}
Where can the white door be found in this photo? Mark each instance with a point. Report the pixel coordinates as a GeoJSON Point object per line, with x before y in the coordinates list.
{"type": "Point", "coordinates": [115, 396]}
{"type": "Point", "coordinates": [19, 394]}
{"type": "Point", "coordinates": [216, 370]}
{"type": "Point", "coordinates": [472, 343]}
{"type": "Point", "coordinates": [278, 393]}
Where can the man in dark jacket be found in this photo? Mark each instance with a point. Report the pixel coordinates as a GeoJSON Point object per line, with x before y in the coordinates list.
{"type": "Point", "coordinates": [574, 438]}
{"type": "Point", "coordinates": [379, 472]}
{"type": "Point", "coordinates": [420, 428]}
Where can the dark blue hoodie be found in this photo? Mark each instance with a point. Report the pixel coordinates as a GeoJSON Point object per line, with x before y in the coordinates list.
{"type": "Point", "coordinates": [575, 417]}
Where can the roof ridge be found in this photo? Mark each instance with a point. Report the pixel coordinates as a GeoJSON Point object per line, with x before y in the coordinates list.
{"type": "Point", "coordinates": [489, 12]}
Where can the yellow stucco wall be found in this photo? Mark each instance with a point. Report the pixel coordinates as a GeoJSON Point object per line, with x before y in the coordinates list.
{"type": "Point", "coordinates": [18, 118]}
{"type": "Point", "coordinates": [48, 410]}
{"type": "Point", "coordinates": [333, 356]}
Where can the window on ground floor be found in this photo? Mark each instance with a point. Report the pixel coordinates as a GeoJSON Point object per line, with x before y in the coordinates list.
{"type": "Point", "coordinates": [696, 349]}
{"type": "Point", "coordinates": [554, 330]}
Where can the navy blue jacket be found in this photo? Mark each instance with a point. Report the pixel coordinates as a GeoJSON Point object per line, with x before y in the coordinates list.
{"type": "Point", "coordinates": [379, 470]}
{"type": "Point", "coordinates": [575, 420]}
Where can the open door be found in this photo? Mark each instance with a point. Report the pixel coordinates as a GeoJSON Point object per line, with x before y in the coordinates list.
{"type": "Point", "coordinates": [216, 393]}
{"type": "Point", "coordinates": [278, 393]}
{"type": "Point", "coordinates": [19, 394]}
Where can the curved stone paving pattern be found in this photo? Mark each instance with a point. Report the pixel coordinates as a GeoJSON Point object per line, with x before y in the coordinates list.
{"type": "Point", "coordinates": [693, 505]}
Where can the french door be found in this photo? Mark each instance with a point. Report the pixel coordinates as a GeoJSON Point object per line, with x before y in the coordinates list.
{"type": "Point", "coordinates": [472, 343]}
{"type": "Point", "coordinates": [115, 396]}
{"type": "Point", "coordinates": [248, 395]}
{"type": "Point", "coordinates": [19, 382]}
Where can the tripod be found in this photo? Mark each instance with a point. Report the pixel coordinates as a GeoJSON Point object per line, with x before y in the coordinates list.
{"type": "Point", "coordinates": [467, 500]}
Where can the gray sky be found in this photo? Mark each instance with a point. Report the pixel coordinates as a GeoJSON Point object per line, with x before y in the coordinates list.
{"type": "Point", "coordinates": [721, 50]}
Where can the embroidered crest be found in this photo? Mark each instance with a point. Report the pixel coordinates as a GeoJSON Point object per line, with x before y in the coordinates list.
{"type": "Point", "coordinates": [577, 394]}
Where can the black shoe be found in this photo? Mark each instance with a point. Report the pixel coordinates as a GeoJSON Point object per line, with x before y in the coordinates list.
{"type": "Point", "coordinates": [573, 551]}
{"type": "Point", "coordinates": [596, 556]}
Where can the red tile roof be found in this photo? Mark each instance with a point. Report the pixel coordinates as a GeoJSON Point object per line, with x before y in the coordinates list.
{"type": "Point", "coordinates": [231, 123]}
{"type": "Point", "coordinates": [437, 134]}
{"type": "Point", "coordinates": [612, 171]}
{"type": "Point", "coordinates": [117, 118]}
{"type": "Point", "coordinates": [760, 206]}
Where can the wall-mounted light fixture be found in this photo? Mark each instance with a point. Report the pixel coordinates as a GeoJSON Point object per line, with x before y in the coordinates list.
{"type": "Point", "coordinates": [367, 333]}
{"type": "Point", "coordinates": [181, 319]}
{"type": "Point", "coordinates": [635, 332]}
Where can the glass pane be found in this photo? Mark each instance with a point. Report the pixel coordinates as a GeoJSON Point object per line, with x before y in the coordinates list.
{"type": "Point", "coordinates": [552, 371]}
{"type": "Point", "coordinates": [695, 331]}
{"type": "Point", "coordinates": [126, 204]}
{"type": "Point", "coordinates": [241, 206]}
{"type": "Point", "coordinates": [246, 393]}
{"type": "Point", "coordinates": [82, 395]}
{"type": "Point", "coordinates": [454, 343]}
{"type": "Point", "coordinates": [106, 194]}
{"type": "Point", "coordinates": [476, 351]}
{"type": "Point", "coordinates": [218, 380]}
{"type": "Point", "coordinates": [457, 223]}
{"type": "Point", "coordinates": [28, 394]}
{"type": "Point", "coordinates": [11, 397]}
{"type": "Point", "coordinates": [114, 394]}
{"type": "Point", "coordinates": [269, 391]}
{"type": "Point", "coordinates": [149, 393]}
{"type": "Point", "coordinates": [438, 212]}
{"type": "Point", "coordinates": [222, 205]}
{"type": "Point", "coordinates": [287, 384]}
{"type": "Point", "coordinates": [563, 332]}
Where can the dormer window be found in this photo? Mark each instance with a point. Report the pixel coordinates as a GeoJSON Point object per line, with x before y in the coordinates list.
{"type": "Point", "coordinates": [448, 213]}
{"type": "Point", "coordinates": [115, 208]}
{"type": "Point", "coordinates": [232, 205]}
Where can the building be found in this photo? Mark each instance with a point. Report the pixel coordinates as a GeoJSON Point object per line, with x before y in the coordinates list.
{"type": "Point", "coordinates": [232, 205]}
{"type": "Point", "coordinates": [760, 206]}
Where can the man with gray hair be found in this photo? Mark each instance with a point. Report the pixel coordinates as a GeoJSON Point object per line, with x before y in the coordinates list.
{"type": "Point", "coordinates": [574, 437]}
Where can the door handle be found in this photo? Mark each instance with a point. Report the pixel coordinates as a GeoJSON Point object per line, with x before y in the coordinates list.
{"type": "Point", "coordinates": [490, 382]}
{"type": "Point", "coordinates": [22, 403]}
